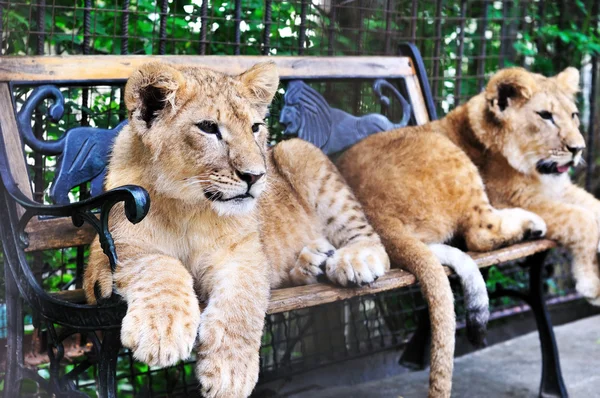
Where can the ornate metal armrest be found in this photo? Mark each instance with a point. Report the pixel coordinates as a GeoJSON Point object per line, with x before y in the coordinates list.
{"type": "Point", "coordinates": [136, 202]}
{"type": "Point", "coordinates": [82, 156]}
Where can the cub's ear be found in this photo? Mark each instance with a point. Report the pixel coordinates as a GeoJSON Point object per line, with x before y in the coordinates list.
{"type": "Point", "coordinates": [507, 87]}
{"type": "Point", "coordinates": [260, 83]}
{"type": "Point", "coordinates": [568, 80]}
{"type": "Point", "coordinates": [152, 89]}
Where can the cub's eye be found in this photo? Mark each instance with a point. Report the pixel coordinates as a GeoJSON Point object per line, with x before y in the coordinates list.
{"type": "Point", "coordinates": [546, 115]}
{"type": "Point", "coordinates": [575, 115]}
{"type": "Point", "coordinates": [209, 128]}
{"type": "Point", "coordinates": [256, 127]}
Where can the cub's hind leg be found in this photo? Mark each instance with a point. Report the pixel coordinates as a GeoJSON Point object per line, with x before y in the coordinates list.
{"type": "Point", "coordinates": [360, 257]}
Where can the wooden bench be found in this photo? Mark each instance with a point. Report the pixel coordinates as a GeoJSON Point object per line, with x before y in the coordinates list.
{"type": "Point", "coordinates": [28, 226]}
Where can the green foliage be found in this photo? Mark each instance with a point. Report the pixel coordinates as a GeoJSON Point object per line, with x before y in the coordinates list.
{"type": "Point", "coordinates": [560, 40]}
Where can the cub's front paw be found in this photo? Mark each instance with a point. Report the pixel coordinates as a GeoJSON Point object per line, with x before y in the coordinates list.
{"type": "Point", "coordinates": [535, 227]}
{"type": "Point", "coordinates": [227, 365]}
{"type": "Point", "coordinates": [527, 225]}
{"type": "Point", "coordinates": [161, 333]}
{"type": "Point", "coordinates": [310, 264]}
{"type": "Point", "coordinates": [357, 264]}
{"type": "Point", "coordinates": [590, 289]}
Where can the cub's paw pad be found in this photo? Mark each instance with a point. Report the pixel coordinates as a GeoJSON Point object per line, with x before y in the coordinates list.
{"type": "Point", "coordinates": [160, 338]}
{"type": "Point", "coordinates": [534, 232]}
{"type": "Point", "coordinates": [321, 247]}
{"type": "Point", "coordinates": [310, 264]}
{"type": "Point", "coordinates": [357, 265]}
{"type": "Point", "coordinates": [535, 227]}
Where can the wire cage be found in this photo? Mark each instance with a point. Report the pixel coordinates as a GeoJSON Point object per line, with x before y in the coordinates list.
{"type": "Point", "coordinates": [462, 42]}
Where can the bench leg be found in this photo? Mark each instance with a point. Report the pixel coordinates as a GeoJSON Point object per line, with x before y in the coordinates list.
{"type": "Point", "coordinates": [107, 364]}
{"type": "Point", "coordinates": [14, 340]}
{"type": "Point", "coordinates": [552, 384]}
{"type": "Point", "coordinates": [416, 353]}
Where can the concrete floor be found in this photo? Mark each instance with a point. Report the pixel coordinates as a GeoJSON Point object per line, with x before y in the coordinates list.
{"type": "Point", "coordinates": [509, 369]}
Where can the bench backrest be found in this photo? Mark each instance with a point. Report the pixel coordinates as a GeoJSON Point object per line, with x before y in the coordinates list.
{"type": "Point", "coordinates": [82, 151]}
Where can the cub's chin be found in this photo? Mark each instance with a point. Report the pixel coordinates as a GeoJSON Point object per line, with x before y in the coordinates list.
{"type": "Point", "coordinates": [234, 207]}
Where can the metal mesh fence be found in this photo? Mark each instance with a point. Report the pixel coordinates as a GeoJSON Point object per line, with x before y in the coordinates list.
{"type": "Point", "coordinates": [462, 42]}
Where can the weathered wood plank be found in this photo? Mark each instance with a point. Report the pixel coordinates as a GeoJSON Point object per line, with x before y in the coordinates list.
{"type": "Point", "coordinates": [76, 296]}
{"type": "Point", "coordinates": [13, 143]}
{"type": "Point", "coordinates": [514, 252]}
{"type": "Point", "coordinates": [418, 102]}
{"type": "Point", "coordinates": [56, 233]}
{"type": "Point", "coordinates": [308, 296]}
{"type": "Point", "coordinates": [115, 67]}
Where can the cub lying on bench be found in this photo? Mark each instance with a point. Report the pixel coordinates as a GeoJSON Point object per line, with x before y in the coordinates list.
{"type": "Point", "coordinates": [197, 142]}
{"type": "Point", "coordinates": [523, 134]}
{"type": "Point", "coordinates": [420, 190]}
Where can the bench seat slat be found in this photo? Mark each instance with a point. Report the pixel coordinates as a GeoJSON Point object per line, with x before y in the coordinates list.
{"type": "Point", "coordinates": [299, 297]}
{"type": "Point", "coordinates": [57, 233]}
{"type": "Point", "coordinates": [89, 68]}
{"type": "Point", "coordinates": [13, 144]}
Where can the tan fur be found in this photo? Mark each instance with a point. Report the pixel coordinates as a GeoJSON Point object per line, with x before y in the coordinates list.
{"type": "Point", "coordinates": [202, 267]}
{"type": "Point", "coordinates": [507, 144]}
{"type": "Point", "coordinates": [418, 188]}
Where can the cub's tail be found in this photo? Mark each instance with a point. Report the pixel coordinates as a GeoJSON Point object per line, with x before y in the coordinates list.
{"type": "Point", "coordinates": [414, 256]}
{"type": "Point", "coordinates": [474, 290]}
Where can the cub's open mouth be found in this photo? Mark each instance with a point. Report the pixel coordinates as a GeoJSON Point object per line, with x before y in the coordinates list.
{"type": "Point", "coordinates": [546, 167]}
{"type": "Point", "coordinates": [218, 197]}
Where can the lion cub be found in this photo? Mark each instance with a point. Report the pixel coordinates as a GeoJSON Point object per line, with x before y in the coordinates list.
{"type": "Point", "coordinates": [195, 270]}
{"type": "Point", "coordinates": [420, 190]}
{"type": "Point", "coordinates": [523, 134]}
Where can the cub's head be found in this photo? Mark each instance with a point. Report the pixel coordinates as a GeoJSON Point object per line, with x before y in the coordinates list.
{"type": "Point", "coordinates": [203, 132]}
{"type": "Point", "coordinates": [535, 120]}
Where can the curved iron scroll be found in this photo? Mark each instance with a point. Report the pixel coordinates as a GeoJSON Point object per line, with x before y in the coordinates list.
{"type": "Point", "coordinates": [136, 200]}
{"type": "Point", "coordinates": [385, 101]}
{"type": "Point", "coordinates": [308, 115]}
{"type": "Point", "coordinates": [82, 151]}
{"type": "Point", "coordinates": [55, 112]}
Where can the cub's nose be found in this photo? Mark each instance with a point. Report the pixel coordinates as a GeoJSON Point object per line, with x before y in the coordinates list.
{"type": "Point", "coordinates": [575, 149]}
{"type": "Point", "coordinates": [249, 178]}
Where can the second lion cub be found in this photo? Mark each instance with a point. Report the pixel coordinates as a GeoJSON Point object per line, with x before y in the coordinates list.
{"type": "Point", "coordinates": [419, 190]}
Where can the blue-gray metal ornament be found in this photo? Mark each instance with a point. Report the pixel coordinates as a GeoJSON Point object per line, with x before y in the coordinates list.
{"type": "Point", "coordinates": [308, 115]}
